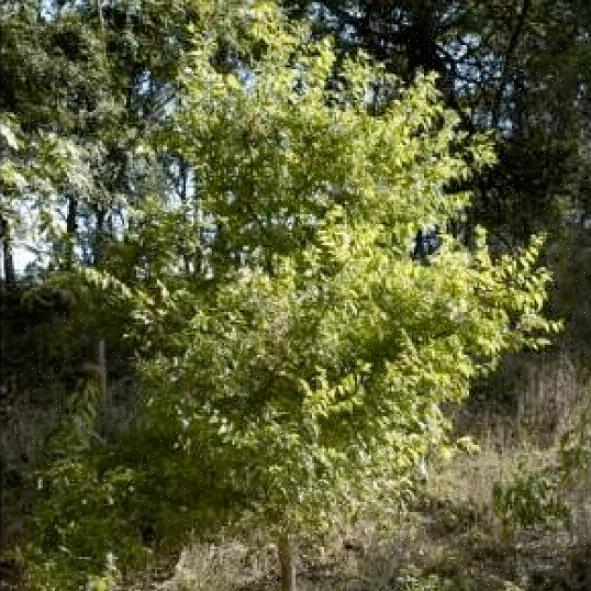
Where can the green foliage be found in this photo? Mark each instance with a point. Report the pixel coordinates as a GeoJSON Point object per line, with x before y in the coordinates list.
{"type": "Point", "coordinates": [81, 507]}
{"type": "Point", "coordinates": [533, 498]}
{"type": "Point", "coordinates": [299, 376]}
{"type": "Point", "coordinates": [84, 88]}
{"type": "Point", "coordinates": [575, 447]}
{"type": "Point", "coordinates": [78, 520]}
{"type": "Point", "coordinates": [416, 581]}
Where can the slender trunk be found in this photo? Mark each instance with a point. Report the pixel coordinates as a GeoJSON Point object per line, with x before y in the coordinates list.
{"type": "Point", "coordinates": [71, 230]}
{"type": "Point", "coordinates": [72, 216]}
{"type": "Point", "coordinates": [497, 108]}
{"type": "Point", "coordinates": [9, 275]}
{"type": "Point", "coordinates": [182, 190]}
{"type": "Point", "coordinates": [3, 396]}
{"type": "Point", "coordinates": [99, 236]}
{"type": "Point", "coordinates": [102, 363]}
{"type": "Point", "coordinates": [287, 561]}
{"type": "Point", "coordinates": [101, 18]}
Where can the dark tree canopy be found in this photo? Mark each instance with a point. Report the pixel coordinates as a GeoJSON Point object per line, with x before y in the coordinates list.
{"type": "Point", "coordinates": [520, 69]}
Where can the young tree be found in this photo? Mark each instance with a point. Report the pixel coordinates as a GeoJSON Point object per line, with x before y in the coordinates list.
{"type": "Point", "coordinates": [303, 378]}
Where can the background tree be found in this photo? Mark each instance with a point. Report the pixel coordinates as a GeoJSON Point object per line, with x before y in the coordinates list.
{"type": "Point", "coordinates": [516, 68]}
{"type": "Point", "coordinates": [83, 94]}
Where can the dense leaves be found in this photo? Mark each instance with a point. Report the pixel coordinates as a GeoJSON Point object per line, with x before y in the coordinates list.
{"type": "Point", "coordinates": [519, 69]}
{"type": "Point", "coordinates": [301, 377]}
{"type": "Point", "coordinates": [275, 225]}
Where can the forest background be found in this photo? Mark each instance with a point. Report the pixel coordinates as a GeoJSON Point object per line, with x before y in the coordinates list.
{"type": "Point", "coordinates": [102, 184]}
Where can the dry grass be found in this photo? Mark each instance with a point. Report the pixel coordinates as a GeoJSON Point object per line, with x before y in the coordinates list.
{"type": "Point", "coordinates": [453, 541]}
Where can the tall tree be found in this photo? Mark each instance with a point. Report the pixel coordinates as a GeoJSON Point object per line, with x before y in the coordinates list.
{"type": "Point", "coordinates": [97, 82]}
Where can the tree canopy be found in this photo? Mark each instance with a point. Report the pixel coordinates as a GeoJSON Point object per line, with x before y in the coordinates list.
{"type": "Point", "coordinates": [294, 351]}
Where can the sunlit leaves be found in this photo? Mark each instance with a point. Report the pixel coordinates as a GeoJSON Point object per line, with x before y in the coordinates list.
{"type": "Point", "coordinates": [302, 376]}
{"type": "Point", "coordinates": [315, 370]}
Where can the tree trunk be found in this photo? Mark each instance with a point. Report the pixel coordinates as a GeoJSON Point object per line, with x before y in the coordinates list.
{"type": "Point", "coordinates": [71, 230]}
{"type": "Point", "coordinates": [183, 193]}
{"type": "Point", "coordinates": [287, 561]}
{"type": "Point", "coordinates": [3, 396]}
{"type": "Point", "coordinates": [102, 363]}
{"type": "Point", "coordinates": [72, 216]}
{"type": "Point", "coordinates": [99, 237]}
{"type": "Point", "coordinates": [8, 271]}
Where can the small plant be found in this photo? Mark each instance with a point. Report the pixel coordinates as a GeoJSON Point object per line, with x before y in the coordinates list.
{"type": "Point", "coordinates": [411, 582]}
{"type": "Point", "coordinates": [575, 445]}
{"type": "Point", "coordinates": [534, 498]}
